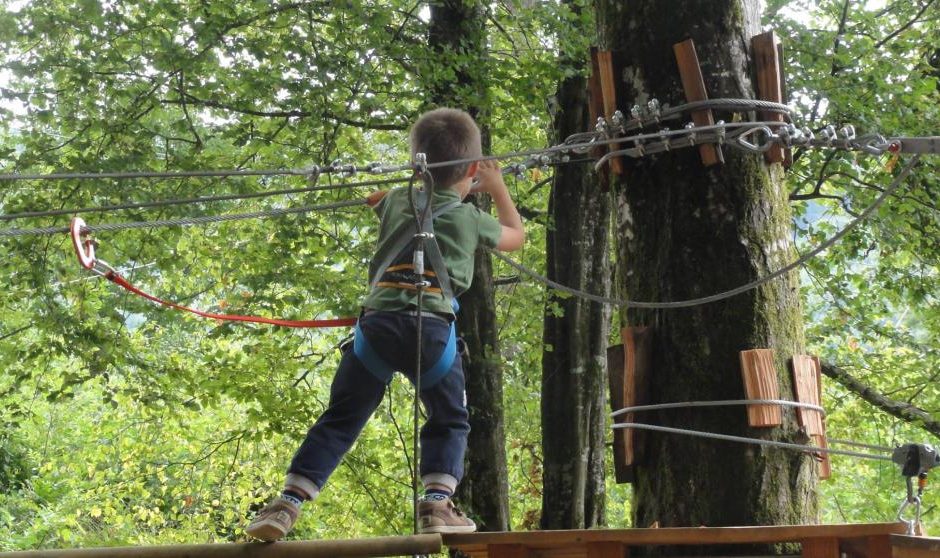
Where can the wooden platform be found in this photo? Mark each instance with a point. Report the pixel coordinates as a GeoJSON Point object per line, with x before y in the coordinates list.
{"type": "Point", "coordinates": [872, 540]}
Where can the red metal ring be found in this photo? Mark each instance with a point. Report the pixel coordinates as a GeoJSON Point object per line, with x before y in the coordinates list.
{"type": "Point", "coordinates": [84, 249]}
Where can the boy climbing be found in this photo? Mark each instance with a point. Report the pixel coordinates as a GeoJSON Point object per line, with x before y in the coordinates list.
{"type": "Point", "coordinates": [386, 333]}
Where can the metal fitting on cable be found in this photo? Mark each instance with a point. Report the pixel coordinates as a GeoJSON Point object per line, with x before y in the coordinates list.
{"type": "Point", "coordinates": [421, 163]}
{"type": "Point", "coordinates": [654, 109]}
{"type": "Point", "coordinates": [601, 126]}
{"type": "Point", "coordinates": [915, 460]}
{"type": "Point", "coordinates": [690, 133]}
{"type": "Point", "coordinates": [828, 134]}
{"type": "Point", "coordinates": [720, 132]}
{"type": "Point", "coordinates": [847, 132]}
{"type": "Point", "coordinates": [636, 113]}
{"type": "Point", "coordinates": [664, 139]}
{"type": "Point", "coordinates": [313, 174]}
{"type": "Point", "coordinates": [374, 168]}
{"type": "Point", "coordinates": [544, 161]}
{"type": "Point", "coordinates": [617, 122]}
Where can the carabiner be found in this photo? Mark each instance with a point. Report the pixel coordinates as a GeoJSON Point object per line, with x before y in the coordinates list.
{"type": "Point", "coordinates": [83, 244]}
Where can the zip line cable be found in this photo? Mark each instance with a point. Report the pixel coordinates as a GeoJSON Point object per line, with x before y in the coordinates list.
{"type": "Point", "coordinates": [205, 199]}
{"type": "Point", "coordinates": [726, 294]}
{"type": "Point", "coordinates": [755, 441]}
{"type": "Point", "coordinates": [185, 222]}
{"type": "Point", "coordinates": [653, 114]}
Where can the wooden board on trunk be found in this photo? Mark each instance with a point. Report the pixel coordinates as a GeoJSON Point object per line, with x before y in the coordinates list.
{"type": "Point", "coordinates": [760, 382]}
{"type": "Point", "coordinates": [693, 83]}
{"type": "Point", "coordinates": [629, 369]}
{"type": "Point", "coordinates": [766, 49]}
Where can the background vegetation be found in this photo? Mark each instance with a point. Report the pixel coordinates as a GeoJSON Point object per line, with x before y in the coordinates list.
{"type": "Point", "coordinates": [123, 423]}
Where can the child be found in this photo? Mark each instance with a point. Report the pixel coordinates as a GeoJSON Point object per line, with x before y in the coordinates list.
{"type": "Point", "coordinates": [385, 338]}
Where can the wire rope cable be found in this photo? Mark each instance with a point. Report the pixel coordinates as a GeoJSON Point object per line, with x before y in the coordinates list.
{"type": "Point", "coordinates": [746, 440]}
{"type": "Point", "coordinates": [718, 403]}
{"type": "Point", "coordinates": [184, 222]}
{"type": "Point", "coordinates": [192, 201]}
{"type": "Point", "coordinates": [898, 180]}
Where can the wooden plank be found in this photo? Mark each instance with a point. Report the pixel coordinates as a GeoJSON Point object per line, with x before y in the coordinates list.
{"type": "Point", "coordinates": [821, 548]}
{"type": "Point", "coordinates": [616, 374]}
{"type": "Point", "coordinates": [638, 352]}
{"type": "Point", "coordinates": [784, 98]}
{"type": "Point", "coordinates": [825, 466]}
{"type": "Point", "coordinates": [867, 547]}
{"type": "Point", "coordinates": [536, 540]}
{"type": "Point", "coordinates": [607, 549]}
{"type": "Point", "coordinates": [765, 53]}
{"type": "Point", "coordinates": [508, 551]}
{"type": "Point", "coordinates": [760, 382]}
{"type": "Point", "coordinates": [596, 110]}
{"type": "Point", "coordinates": [806, 391]}
{"type": "Point", "coordinates": [605, 72]}
{"type": "Point", "coordinates": [905, 546]}
{"type": "Point", "coordinates": [693, 83]}
{"type": "Point", "coordinates": [376, 546]}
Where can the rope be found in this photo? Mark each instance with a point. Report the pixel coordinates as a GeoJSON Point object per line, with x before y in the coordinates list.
{"type": "Point", "coordinates": [112, 227]}
{"type": "Point", "coordinates": [726, 294]}
{"type": "Point", "coordinates": [755, 441]}
{"type": "Point", "coordinates": [188, 201]}
{"type": "Point", "coordinates": [722, 403]}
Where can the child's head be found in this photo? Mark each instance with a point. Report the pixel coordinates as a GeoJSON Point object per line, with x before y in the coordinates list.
{"type": "Point", "coordinates": [446, 134]}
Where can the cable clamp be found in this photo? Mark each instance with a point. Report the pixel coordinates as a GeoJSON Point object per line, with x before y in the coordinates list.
{"type": "Point", "coordinates": [313, 174]}
{"type": "Point", "coordinates": [420, 163]}
{"type": "Point", "coordinates": [690, 133]}
{"type": "Point", "coordinates": [664, 139]}
{"type": "Point", "coordinates": [720, 132]}
{"type": "Point", "coordinates": [424, 235]}
{"type": "Point", "coordinates": [601, 126]}
{"type": "Point", "coordinates": [654, 109]}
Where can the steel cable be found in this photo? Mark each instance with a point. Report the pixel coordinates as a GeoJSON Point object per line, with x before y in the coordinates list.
{"type": "Point", "coordinates": [726, 294]}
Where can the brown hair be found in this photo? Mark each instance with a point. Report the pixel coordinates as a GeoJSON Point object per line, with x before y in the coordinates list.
{"type": "Point", "coordinates": [446, 134]}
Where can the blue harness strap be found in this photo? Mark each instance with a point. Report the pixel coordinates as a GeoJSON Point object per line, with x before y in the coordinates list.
{"type": "Point", "coordinates": [364, 351]}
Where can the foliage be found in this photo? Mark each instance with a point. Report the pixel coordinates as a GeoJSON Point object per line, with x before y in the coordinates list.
{"type": "Point", "coordinates": [127, 424]}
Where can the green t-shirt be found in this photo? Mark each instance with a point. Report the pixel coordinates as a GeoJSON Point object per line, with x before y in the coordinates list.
{"type": "Point", "coordinates": [458, 233]}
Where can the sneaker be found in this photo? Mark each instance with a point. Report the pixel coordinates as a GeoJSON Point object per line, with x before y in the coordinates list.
{"type": "Point", "coordinates": [274, 521]}
{"type": "Point", "coordinates": [441, 516]}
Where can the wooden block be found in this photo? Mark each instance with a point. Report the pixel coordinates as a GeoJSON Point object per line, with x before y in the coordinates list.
{"type": "Point", "coordinates": [607, 549]}
{"type": "Point", "coordinates": [596, 110]}
{"type": "Point", "coordinates": [760, 382]}
{"type": "Point", "coordinates": [628, 373]}
{"type": "Point", "coordinates": [825, 467]}
{"type": "Point", "coordinates": [820, 548]}
{"type": "Point", "coordinates": [508, 551]}
{"type": "Point", "coordinates": [784, 98]}
{"type": "Point", "coordinates": [638, 352]}
{"type": "Point", "coordinates": [616, 373]}
{"type": "Point", "coordinates": [806, 391]}
{"type": "Point", "coordinates": [904, 546]}
{"type": "Point", "coordinates": [605, 66]}
{"type": "Point", "coordinates": [765, 51]}
{"type": "Point", "coordinates": [693, 83]}
{"type": "Point", "coordinates": [867, 547]}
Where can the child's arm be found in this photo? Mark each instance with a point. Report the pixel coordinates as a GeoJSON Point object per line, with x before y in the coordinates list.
{"type": "Point", "coordinates": [491, 182]}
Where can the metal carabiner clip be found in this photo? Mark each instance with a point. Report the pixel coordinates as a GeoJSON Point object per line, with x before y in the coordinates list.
{"type": "Point", "coordinates": [910, 523]}
{"type": "Point", "coordinates": [84, 247]}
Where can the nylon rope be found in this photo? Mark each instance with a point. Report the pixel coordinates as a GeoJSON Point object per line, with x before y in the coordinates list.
{"type": "Point", "coordinates": [726, 294]}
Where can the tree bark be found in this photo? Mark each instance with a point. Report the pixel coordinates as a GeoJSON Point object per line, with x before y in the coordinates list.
{"type": "Point", "coordinates": [574, 366]}
{"type": "Point", "coordinates": [457, 34]}
{"type": "Point", "coordinates": [686, 231]}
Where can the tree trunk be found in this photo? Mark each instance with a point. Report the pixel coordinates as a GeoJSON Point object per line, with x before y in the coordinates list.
{"type": "Point", "coordinates": [574, 367]}
{"type": "Point", "coordinates": [685, 231]}
{"type": "Point", "coordinates": [457, 34]}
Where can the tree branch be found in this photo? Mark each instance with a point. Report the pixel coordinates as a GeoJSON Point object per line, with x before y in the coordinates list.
{"type": "Point", "coordinates": [904, 411]}
{"type": "Point", "coordinates": [904, 27]}
{"type": "Point", "coordinates": [293, 113]}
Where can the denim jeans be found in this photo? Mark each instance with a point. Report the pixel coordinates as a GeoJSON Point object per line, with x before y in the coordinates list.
{"type": "Point", "coordinates": [356, 393]}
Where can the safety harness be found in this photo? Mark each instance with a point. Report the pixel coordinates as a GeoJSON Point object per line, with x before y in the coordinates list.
{"type": "Point", "coordinates": [401, 267]}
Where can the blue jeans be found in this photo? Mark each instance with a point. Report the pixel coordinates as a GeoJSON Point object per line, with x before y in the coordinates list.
{"type": "Point", "coordinates": [356, 393]}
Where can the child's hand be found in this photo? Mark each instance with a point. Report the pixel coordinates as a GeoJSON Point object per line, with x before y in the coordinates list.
{"type": "Point", "coordinates": [490, 178]}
